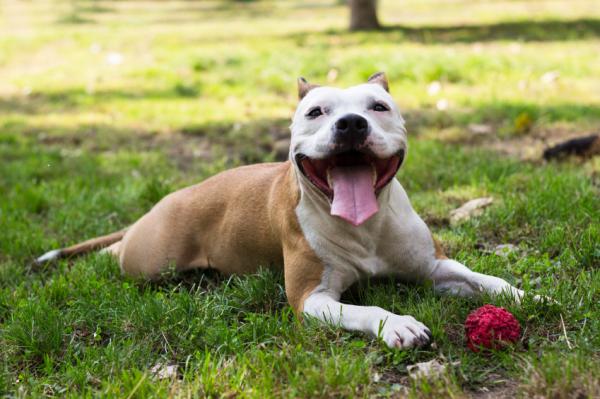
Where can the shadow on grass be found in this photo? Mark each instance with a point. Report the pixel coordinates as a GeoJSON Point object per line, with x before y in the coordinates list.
{"type": "Point", "coordinates": [43, 101]}
{"type": "Point", "coordinates": [523, 30]}
{"type": "Point", "coordinates": [82, 12]}
{"type": "Point", "coordinates": [71, 100]}
{"type": "Point", "coordinates": [257, 141]}
{"type": "Point", "coordinates": [262, 140]}
{"type": "Point", "coordinates": [501, 112]}
{"type": "Point", "coordinates": [237, 9]}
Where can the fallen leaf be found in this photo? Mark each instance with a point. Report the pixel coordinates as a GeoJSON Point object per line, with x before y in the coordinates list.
{"type": "Point", "coordinates": [432, 369]}
{"type": "Point", "coordinates": [114, 58]}
{"type": "Point", "coordinates": [523, 123]}
{"type": "Point", "coordinates": [515, 48]}
{"type": "Point", "coordinates": [505, 249]}
{"type": "Point", "coordinates": [163, 371]}
{"type": "Point", "coordinates": [95, 48]}
{"type": "Point", "coordinates": [477, 128]}
{"type": "Point", "coordinates": [332, 75]}
{"type": "Point", "coordinates": [434, 88]}
{"type": "Point", "coordinates": [550, 77]}
{"type": "Point", "coordinates": [477, 48]}
{"type": "Point", "coordinates": [442, 104]}
{"type": "Point", "coordinates": [470, 209]}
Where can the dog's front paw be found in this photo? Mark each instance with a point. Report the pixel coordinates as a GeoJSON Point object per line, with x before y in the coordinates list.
{"type": "Point", "coordinates": [403, 332]}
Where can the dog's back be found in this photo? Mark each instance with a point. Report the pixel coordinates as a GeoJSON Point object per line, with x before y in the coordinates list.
{"type": "Point", "coordinates": [222, 223]}
{"type": "Point", "coordinates": [226, 222]}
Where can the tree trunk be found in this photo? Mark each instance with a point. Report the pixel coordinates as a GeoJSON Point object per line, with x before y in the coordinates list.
{"type": "Point", "coordinates": [363, 15]}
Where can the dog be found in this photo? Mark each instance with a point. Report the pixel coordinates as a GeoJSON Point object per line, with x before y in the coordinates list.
{"type": "Point", "coordinates": [332, 214]}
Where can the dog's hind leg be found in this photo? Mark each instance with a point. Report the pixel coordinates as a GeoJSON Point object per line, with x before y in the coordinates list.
{"type": "Point", "coordinates": [114, 249]}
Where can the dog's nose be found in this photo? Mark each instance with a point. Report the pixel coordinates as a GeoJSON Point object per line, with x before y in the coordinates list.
{"type": "Point", "coordinates": [351, 129]}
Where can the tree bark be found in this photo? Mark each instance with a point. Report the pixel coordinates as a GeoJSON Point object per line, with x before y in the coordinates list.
{"type": "Point", "coordinates": [363, 15]}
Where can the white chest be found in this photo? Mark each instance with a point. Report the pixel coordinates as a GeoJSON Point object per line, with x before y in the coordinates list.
{"type": "Point", "coordinates": [394, 241]}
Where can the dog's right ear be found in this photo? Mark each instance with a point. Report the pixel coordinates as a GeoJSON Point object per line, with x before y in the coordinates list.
{"type": "Point", "coordinates": [380, 79]}
{"type": "Point", "coordinates": [304, 87]}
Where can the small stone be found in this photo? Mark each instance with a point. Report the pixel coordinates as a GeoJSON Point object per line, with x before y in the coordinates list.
{"type": "Point", "coordinates": [470, 209]}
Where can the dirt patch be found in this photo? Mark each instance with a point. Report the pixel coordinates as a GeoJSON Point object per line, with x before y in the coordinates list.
{"type": "Point", "coordinates": [526, 147]}
{"type": "Point", "coordinates": [506, 390]}
{"type": "Point", "coordinates": [530, 147]}
{"type": "Point", "coordinates": [235, 143]}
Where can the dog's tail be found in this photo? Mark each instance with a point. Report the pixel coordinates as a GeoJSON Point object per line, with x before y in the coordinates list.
{"type": "Point", "coordinates": [82, 248]}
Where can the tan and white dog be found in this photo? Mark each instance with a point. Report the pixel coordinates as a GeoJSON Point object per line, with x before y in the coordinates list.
{"type": "Point", "coordinates": [332, 214]}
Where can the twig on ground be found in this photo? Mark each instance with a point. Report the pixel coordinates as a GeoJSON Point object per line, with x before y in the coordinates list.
{"type": "Point", "coordinates": [562, 322]}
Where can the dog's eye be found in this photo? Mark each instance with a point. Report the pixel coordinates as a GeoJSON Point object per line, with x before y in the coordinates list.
{"type": "Point", "coordinates": [314, 113]}
{"type": "Point", "coordinates": [379, 107]}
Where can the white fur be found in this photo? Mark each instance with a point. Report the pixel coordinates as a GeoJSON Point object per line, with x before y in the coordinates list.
{"type": "Point", "coordinates": [452, 277]}
{"type": "Point", "coordinates": [49, 256]}
{"type": "Point", "coordinates": [395, 241]}
{"type": "Point", "coordinates": [388, 134]}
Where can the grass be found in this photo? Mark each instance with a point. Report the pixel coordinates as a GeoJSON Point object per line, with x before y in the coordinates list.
{"type": "Point", "coordinates": [107, 106]}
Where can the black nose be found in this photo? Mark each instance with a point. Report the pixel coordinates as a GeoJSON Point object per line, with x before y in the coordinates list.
{"type": "Point", "coordinates": [351, 130]}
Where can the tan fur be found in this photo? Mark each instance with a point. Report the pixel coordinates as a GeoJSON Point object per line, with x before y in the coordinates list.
{"type": "Point", "coordinates": [380, 79]}
{"type": "Point", "coordinates": [439, 251]}
{"type": "Point", "coordinates": [235, 222]}
{"type": "Point", "coordinates": [304, 87]}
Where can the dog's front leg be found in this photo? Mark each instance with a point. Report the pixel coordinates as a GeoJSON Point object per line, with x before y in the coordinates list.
{"type": "Point", "coordinates": [308, 294]}
{"type": "Point", "coordinates": [452, 277]}
{"type": "Point", "coordinates": [397, 331]}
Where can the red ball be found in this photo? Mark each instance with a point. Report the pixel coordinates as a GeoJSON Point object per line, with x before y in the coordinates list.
{"type": "Point", "coordinates": [491, 327]}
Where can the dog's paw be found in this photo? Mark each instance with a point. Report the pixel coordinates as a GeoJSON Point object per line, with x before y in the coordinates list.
{"type": "Point", "coordinates": [404, 332]}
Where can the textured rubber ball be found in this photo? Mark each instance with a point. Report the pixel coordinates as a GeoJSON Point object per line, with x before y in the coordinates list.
{"type": "Point", "coordinates": [491, 327]}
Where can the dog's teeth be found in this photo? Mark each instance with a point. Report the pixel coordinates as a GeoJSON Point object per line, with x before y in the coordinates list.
{"type": "Point", "coordinates": [329, 180]}
{"type": "Point", "coordinates": [374, 171]}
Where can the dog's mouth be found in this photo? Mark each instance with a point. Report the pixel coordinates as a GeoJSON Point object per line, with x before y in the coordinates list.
{"type": "Point", "coordinates": [351, 180]}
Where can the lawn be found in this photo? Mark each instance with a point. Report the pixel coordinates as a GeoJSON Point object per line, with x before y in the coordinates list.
{"type": "Point", "coordinates": [105, 107]}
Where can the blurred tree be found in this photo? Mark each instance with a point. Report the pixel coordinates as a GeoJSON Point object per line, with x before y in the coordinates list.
{"type": "Point", "coordinates": [363, 15]}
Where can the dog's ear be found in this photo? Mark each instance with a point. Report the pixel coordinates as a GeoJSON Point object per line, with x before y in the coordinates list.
{"type": "Point", "coordinates": [380, 79]}
{"type": "Point", "coordinates": [304, 87]}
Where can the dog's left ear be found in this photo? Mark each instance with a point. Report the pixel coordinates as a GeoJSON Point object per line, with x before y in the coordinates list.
{"type": "Point", "coordinates": [380, 79]}
{"type": "Point", "coordinates": [304, 87]}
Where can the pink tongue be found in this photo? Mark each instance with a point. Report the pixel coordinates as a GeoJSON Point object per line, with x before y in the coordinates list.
{"type": "Point", "coordinates": [353, 193]}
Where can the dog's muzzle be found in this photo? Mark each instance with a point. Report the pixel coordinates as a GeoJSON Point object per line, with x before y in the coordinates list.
{"type": "Point", "coordinates": [350, 132]}
{"type": "Point", "coordinates": [351, 180]}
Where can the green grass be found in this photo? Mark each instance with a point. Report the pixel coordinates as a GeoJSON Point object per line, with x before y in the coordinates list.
{"type": "Point", "coordinates": [87, 147]}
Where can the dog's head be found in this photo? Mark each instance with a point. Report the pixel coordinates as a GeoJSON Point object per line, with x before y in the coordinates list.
{"type": "Point", "coordinates": [348, 143]}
